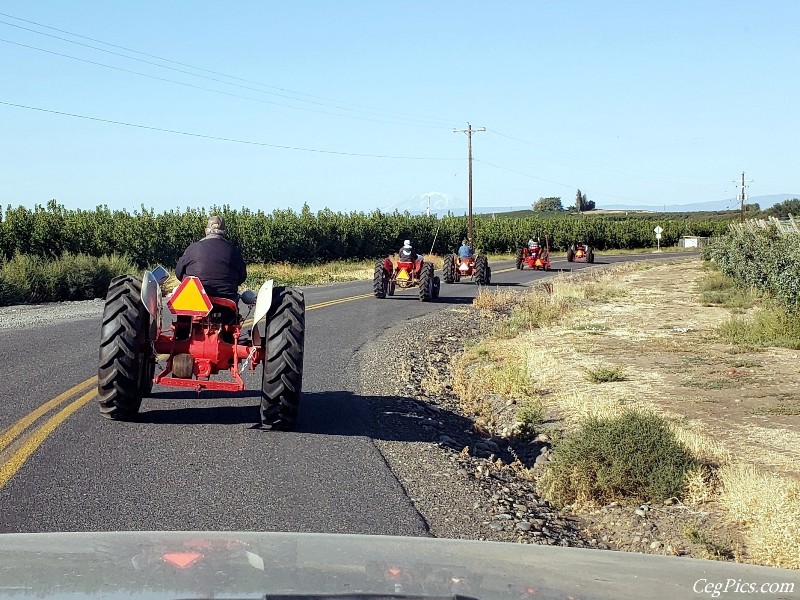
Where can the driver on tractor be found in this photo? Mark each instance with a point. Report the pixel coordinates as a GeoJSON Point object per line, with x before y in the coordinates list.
{"type": "Point", "coordinates": [465, 251]}
{"type": "Point", "coordinates": [215, 261]}
{"type": "Point", "coordinates": [533, 244]}
{"type": "Point", "coordinates": [408, 253]}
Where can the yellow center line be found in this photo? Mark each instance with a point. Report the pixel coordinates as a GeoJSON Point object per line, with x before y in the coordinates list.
{"type": "Point", "coordinates": [9, 468]}
{"type": "Point", "coordinates": [12, 432]}
{"type": "Point", "coordinates": [338, 301]}
{"type": "Point", "coordinates": [249, 322]}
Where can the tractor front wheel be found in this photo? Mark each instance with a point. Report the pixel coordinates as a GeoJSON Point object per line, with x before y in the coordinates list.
{"type": "Point", "coordinates": [426, 282]}
{"type": "Point", "coordinates": [379, 281]}
{"type": "Point", "coordinates": [282, 377]}
{"type": "Point", "coordinates": [126, 362]}
{"type": "Point", "coordinates": [449, 269]}
{"type": "Point", "coordinates": [437, 286]}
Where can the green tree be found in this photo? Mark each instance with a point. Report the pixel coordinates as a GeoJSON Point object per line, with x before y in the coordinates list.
{"type": "Point", "coordinates": [582, 204]}
{"type": "Point", "coordinates": [784, 209]}
{"type": "Point", "coordinates": [550, 204]}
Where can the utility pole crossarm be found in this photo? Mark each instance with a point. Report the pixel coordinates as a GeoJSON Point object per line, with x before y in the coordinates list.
{"type": "Point", "coordinates": [469, 131]}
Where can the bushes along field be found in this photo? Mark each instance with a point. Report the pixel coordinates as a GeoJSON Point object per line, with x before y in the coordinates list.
{"type": "Point", "coordinates": [148, 237]}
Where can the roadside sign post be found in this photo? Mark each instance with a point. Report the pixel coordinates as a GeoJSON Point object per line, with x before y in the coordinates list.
{"type": "Point", "coordinates": [658, 231]}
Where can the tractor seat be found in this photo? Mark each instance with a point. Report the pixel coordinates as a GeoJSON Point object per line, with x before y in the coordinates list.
{"type": "Point", "coordinates": [228, 312]}
{"type": "Point", "coordinates": [224, 303]}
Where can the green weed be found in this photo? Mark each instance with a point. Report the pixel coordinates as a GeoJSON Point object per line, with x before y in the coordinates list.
{"type": "Point", "coordinates": [632, 458]}
{"type": "Point", "coordinates": [605, 374]}
{"type": "Point", "coordinates": [771, 325]}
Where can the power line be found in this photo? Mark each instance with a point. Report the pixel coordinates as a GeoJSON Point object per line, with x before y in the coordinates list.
{"type": "Point", "coordinates": [358, 107]}
{"type": "Point", "coordinates": [597, 169]}
{"type": "Point", "coordinates": [213, 91]}
{"type": "Point", "coordinates": [551, 182]}
{"type": "Point", "coordinates": [607, 168]}
{"type": "Point", "coordinates": [223, 139]}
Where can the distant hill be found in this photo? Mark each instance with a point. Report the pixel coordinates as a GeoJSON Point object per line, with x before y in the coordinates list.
{"type": "Point", "coordinates": [715, 205]}
{"type": "Point", "coordinates": [442, 204]}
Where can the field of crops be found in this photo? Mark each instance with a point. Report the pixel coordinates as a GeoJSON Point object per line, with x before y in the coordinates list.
{"type": "Point", "coordinates": [147, 237]}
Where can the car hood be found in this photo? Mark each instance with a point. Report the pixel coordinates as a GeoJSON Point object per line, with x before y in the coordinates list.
{"type": "Point", "coordinates": [125, 565]}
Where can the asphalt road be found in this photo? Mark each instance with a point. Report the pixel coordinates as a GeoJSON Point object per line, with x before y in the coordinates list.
{"type": "Point", "coordinates": [199, 463]}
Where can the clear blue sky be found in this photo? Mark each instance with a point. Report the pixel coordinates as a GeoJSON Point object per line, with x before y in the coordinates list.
{"type": "Point", "coordinates": [633, 102]}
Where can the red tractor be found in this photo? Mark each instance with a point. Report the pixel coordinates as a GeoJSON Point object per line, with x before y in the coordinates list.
{"type": "Point", "coordinates": [203, 340]}
{"type": "Point", "coordinates": [405, 274]}
{"type": "Point", "coordinates": [534, 256]}
{"type": "Point", "coordinates": [580, 252]}
{"type": "Point", "coordinates": [476, 267]}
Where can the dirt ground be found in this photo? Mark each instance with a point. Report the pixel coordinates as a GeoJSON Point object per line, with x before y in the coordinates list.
{"type": "Point", "coordinates": [746, 399]}
{"type": "Point", "coordinates": [733, 405]}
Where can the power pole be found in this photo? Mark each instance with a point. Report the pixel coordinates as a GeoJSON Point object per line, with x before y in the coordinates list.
{"type": "Point", "coordinates": [469, 131]}
{"type": "Point", "coordinates": [742, 197]}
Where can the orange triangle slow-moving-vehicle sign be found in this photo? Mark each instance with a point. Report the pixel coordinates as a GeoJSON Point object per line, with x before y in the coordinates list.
{"type": "Point", "coordinates": [189, 298]}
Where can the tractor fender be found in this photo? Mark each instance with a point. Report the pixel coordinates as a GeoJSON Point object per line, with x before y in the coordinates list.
{"type": "Point", "coordinates": [151, 295]}
{"type": "Point", "coordinates": [263, 301]}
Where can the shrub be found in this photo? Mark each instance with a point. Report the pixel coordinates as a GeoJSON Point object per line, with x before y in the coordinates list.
{"type": "Point", "coordinates": [763, 259]}
{"type": "Point", "coordinates": [632, 458]}
{"type": "Point", "coordinates": [30, 279]}
{"type": "Point", "coordinates": [605, 374]}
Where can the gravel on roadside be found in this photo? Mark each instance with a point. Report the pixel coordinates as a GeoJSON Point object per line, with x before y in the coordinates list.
{"type": "Point", "coordinates": [449, 471]}
{"type": "Point", "coordinates": [33, 315]}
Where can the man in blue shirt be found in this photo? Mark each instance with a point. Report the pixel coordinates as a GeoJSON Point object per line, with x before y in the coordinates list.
{"type": "Point", "coordinates": [465, 251]}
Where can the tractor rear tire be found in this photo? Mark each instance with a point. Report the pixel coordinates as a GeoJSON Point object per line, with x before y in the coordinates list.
{"type": "Point", "coordinates": [449, 269]}
{"type": "Point", "coordinates": [125, 359]}
{"type": "Point", "coordinates": [379, 281]}
{"type": "Point", "coordinates": [591, 257]}
{"type": "Point", "coordinates": [481, 267]}
{"type": "Point", "coordinates": [426, 282]}
{"type": "Point", "coordinates": [282, 377]}
{"type": "Point", "coordinates": [437, 287]}
{"type": "Point", "coordinates": [519, 259]}
{"type": "Point", "coordinates": [570, 255]}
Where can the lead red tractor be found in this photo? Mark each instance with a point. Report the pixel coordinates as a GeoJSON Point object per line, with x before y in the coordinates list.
{"type": "Point", "coordinates": [475, 267]}
{"type": "Point", "coordinates": [534, 257]}
{"type": "Point", "coordinates": [580, 252]}
{"type": "Point", "coordinates": [405, 274]}
{"type": "Point", "coordinates": [203, 340]}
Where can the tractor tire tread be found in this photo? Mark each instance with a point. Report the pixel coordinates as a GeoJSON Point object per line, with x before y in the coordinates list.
{"type": "Point", "coordinates": [426, 282]}
{"type": "Point", "coordinates": [481, 266]}
{"type": "Point", "coordinates": [124, 325]}
{"type": "Point", "coordinates": [449, 269]}
{"type": "Point", "coordinates": [282, 376]}
{"type": "Point", "coordinates": [379, 281]}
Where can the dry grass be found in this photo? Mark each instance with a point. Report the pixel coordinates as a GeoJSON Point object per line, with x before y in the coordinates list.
{"type": "Point", "coordinates": [289, 274]}
{"type": "Point", "coordinates": [768, 507]}
{"type": "Point", "coordinates": [654, 321]}
{"type": "Point", "coordinates": [487, 378]}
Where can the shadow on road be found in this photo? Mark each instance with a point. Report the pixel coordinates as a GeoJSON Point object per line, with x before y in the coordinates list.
{"type": "Point", "coordinates": [201, 415]}
{"type": "Point", "coordinates": [439, 300]}
{"type": "Point", "coordinates": [336, 413]}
